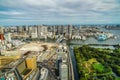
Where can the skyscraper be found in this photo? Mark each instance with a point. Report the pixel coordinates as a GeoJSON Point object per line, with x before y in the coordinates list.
{"type": "Point", "coordinates": [34, 33]}
{"type": "Point", "coordinates": [70, 28]}
{"type": "Point", "coordinates": [1, 30]}
{"type": "Point", "coordinates": [19, 29]}
{"type": "Point", "coordinates": [39, 31]}
{"type": "Point", "coordinates": [60, 29]}
{"type": "Point", "coordinates": [1, 37]}
{"type": "Point", "coordinates": [7, 37]}
{"type": "Point", "coordinates": [42, 32]}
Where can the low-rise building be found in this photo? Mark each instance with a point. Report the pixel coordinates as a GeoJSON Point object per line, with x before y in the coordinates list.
{"type": "Point", "coordinates": [63, 72]}
{"type": "Point", "coordinates": [44, 74]}
{"type": "Point", "coordinates": [24, 68]}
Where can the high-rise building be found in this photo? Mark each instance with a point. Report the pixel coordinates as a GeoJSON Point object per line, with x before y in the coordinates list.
{"type": "Point", "coordinates": [19, 29]}
{"type": "Point", "coordinates": [34, 33]}
{"type": "Point", "coordinates": [27, 67]}
{"type": "Point", "coordinates": [25, 28]}
{"type": "Point", "coordinates": [14, 29]}
{"type": "Point", "coordinates": [42, 32]}
{"type": "Point", "coordinates": [31, 62]}
{"type": "Point", "coordinates": [54, 30]}
{"type": "Point", "coordinates": [66, 31]}
{"type": "Point", "coordinates": [63, 72]}
{"type": "Point", "coordinates": [29, 30]}
{"type": "Point", "coordinates": [1, 37]}
{"type": "Point", "coordinates": [60, 29]}
{"type": "Point", "coordinates": [70, 28]}
{"type": "Point", "coordinates": [7, 37]}
{"type": "Point", "coordinates": [22, 68]}
{"type": "Point", "coordinates": [1, 30]}
{"type": "Point", "coordinates": [39, 31]}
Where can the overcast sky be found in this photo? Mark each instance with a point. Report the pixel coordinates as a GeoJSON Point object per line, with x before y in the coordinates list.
{"type": "Point", "coordinates": [20, 12]}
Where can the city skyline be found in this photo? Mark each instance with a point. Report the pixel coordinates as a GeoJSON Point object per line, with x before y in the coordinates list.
{"type": "Point", "coordinates": [25, 12]}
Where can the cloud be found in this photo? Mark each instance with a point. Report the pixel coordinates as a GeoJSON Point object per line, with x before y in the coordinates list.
{"type": "Point", "coordinates": [60, 10]}
{"type": "Point", "coordinates": [10, 13]}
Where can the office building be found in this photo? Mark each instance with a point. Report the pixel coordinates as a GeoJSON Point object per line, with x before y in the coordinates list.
{"type": "Point", "coordinates": [70, 28]}
{"type": "Point", "coordinates": [34, 33]}
{"type": "Point", "coordinates": [19, 29]}
{"type": "Point", "coordinates": [42, 32]}
{"type": "Point", "coordinates": [1, 37]}
{"type": "Point", "coordinates": [8, 37]}
{"type": "Point", "coordinates": [31, 62]}
{"type": "Point", "coordinates": [4, 60]}
{"type": "Point", "coordinates": [59, 29]}
{"type": "Point", "coordinates": [44, 74]}
{"type": "Point", "coordinates": [63, 72]}
{"type": "Point", "coordinates": [29, 31]}
{"type": "Point", "coordinates": [27, 67]}
{"type": "Point", "coordinates": [1, 30]}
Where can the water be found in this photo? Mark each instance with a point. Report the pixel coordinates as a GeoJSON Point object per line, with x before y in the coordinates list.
{"type": "Point", "coordinates": [74, 64]}
{"type": "Point", "coordinates": [94, 41]}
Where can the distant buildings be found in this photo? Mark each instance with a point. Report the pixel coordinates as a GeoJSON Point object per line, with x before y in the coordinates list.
{"type": "Point", "coordinates": [1, 30]}
{"type": "Point", "coordinates": [1, 33]}
{"type": "Point", "coordinates": [29, 31]}
{"type": "Point", "coordinates": [70, 31]}
{"type": "Point", "coordinates": [34, 33]}
{"type": "Point", "coordinates": [20, 29]}
{"type": "Point", "coordinates": [102, 37]}
{"type": "Point", "coordinates": [8, 37]}
{"type": "Point", "coordinates": [14, 36]}
{"type": "Point", "coordinates": [42, 32]}
{"type": "Point", "coordinates": [1, 37]}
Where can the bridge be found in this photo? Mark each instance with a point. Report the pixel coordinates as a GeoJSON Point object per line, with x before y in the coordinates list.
{"type": "Point", "coordinates": [60, 39]}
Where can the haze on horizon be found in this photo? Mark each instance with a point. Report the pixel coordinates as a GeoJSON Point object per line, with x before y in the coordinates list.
{"type": "Point", "coordinates": [20, 12]}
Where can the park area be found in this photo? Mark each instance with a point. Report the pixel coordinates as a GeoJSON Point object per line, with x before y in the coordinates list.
{"type": "Point", "coordinates": [97, 64]}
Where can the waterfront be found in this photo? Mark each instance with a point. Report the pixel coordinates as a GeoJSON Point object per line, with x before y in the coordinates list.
{"type": "Point", "coordinates": [58, 40]}
{"type": "Point", "coordinates": [93, 41]}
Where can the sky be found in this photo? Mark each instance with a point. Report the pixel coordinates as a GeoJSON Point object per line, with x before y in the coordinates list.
{"type": "Point", "coordinates": [25, 12]}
